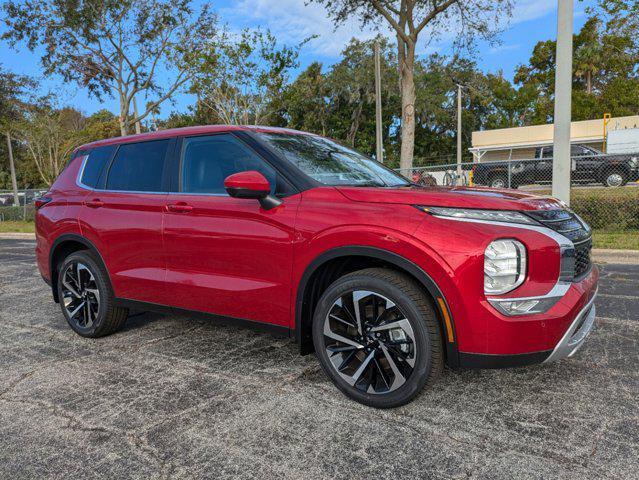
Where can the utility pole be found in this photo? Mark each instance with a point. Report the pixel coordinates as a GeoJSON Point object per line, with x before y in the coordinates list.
{"type": "Point", "coordinates": [379, 152]}
{"type": "Point", "coordinates": [135, 113]}
{"type": "Point", "coordinates": [459, 132]}
{"type": "Point", "coordinates": [12, 169]}
{"type": "Point", "coordinates": [563, 102]}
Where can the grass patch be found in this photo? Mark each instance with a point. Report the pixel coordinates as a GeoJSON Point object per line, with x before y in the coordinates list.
{"type": "Point", "coordinates": [17, 226]}
{"type": "Point", "coordinates": [628, 240]}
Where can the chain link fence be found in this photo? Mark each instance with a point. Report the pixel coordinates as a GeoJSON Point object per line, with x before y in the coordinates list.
{"type": "Point", "coordinates": [604, 188]}
{"type": "Point", "coordinates": [23, 210]}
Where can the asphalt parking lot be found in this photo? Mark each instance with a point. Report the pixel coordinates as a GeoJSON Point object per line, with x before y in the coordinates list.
{"type": "Point", "coordinates": [172, 397]}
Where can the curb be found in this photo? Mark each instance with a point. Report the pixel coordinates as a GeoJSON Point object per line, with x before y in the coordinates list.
{"type": "Point", "coordinates": [17, 236]}
{"type": "Point", "coordinates": [599, 255]}
{"type": "Point", "coordinates": [623, 257]}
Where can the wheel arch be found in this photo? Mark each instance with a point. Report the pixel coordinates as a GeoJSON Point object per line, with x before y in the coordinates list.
{"type": "Point", "coordinates": [62, 247]}
{"type": "Point", "coordinates": [325, 268]}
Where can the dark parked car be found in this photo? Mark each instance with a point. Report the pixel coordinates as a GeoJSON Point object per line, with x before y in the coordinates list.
{"type": "Point", "coordinates": [588, 166]}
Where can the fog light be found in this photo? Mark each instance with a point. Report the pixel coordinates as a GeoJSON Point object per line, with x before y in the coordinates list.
{"type": "Point", "coordinates": [504, 266]}
{"type": "Point", "coordinates": [525, 306]}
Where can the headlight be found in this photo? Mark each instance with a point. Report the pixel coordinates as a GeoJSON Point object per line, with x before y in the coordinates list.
{"type": "Point", "coordinates": [486, 215]}
{"type": "Point", "coordinates": [504, 266]}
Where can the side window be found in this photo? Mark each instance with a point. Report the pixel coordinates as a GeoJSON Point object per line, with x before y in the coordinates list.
{"type": "Point", "coordinates": [547, 152]}
{"type": "Point", "coordinates": [207, 161]}
{"type": "Point", "coordinates": [578, 151]}
{"type": "Point", "coordinates": [137, 167]}
{"type": "Point", "coordinates": [94, 165]}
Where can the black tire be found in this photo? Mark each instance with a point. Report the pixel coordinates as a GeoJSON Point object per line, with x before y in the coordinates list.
{"type": "Point", "coordinates": [615, 178]}
{"type": "Point", "coordinates": [107, 318]}
{"type": "Point", "coordinates": [414, 305]}
{"type": "Point", "coordinates": [498, 181]}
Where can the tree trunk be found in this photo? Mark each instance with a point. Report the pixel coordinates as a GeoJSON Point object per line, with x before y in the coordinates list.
{"type": "Point", "coordinates": [589, 82]}
{"type": "Point", "coordinates": [123, 127]}
{"type": "Point", "coordinates": [407, 88]}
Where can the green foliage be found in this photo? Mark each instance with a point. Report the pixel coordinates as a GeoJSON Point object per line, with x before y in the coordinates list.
{"type": "Point", "coordinates": [239, 79]}
{"type": "Point", "coordinates": [114, 47]}
{"type": "Point", "coordinates": [605, 70]}
{"type": "Point", "coordinates": [606, 209]}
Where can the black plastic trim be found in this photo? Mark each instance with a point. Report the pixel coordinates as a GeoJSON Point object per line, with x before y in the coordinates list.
{"type": "Point", "coordinates": [239, 322]}
{"type": "Point", "coordinates": [75, 238]}
{"type": "Point", "coordinates": [452, 352]}
{"type": "Point", "coordinates": [482, 360]}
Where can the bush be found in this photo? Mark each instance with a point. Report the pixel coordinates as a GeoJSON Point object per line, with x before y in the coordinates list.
{"type": "Point", "coordinates": [608, 209]}
{"type": "Point", "coordinates": [17, 213]}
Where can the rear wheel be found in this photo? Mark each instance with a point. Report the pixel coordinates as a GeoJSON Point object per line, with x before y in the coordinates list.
{"type": "Point", "coordinates": [615, 178]}
{"type": "Point", "coordinates": [377, 337]}
{"type": "Point", "coordinates": [86, 297]}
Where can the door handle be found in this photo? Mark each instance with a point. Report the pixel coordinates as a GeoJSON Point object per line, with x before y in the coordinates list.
{"type": "Point", "coordinates": [179, 208]}
{"type": "Point", "coordinates": [95, 203]}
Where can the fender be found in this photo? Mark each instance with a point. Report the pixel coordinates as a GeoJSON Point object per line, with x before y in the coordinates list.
{"type": "Point", "coordinates": [452, 353]}
{"type": "Point", "coordinates": [75, 238]}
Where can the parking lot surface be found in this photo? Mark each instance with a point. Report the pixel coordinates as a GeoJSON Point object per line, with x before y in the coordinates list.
{"type": "Point", "coordinates": [173, 397]}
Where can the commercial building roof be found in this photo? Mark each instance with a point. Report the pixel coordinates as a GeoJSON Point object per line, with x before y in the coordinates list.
{"type": "Point", "coordinates": [587, 131]}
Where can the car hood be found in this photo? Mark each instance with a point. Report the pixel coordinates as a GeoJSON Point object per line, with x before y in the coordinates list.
{"type": "Point", "coordinates": [460, 197]}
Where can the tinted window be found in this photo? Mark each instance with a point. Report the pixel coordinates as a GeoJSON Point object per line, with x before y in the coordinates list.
{"type": "Point", "coordinates": [138, 167]}
{"type": "Point", "coordinates": [330, 163]}
{"type": "Point", "coordinates": [577, 150]}
{"type": "Point", "coordinates": [207, 161]}
{"type": "Point", "coordinates": [547, 152]}
{"type": "Point", "coordinates": [98, 158]}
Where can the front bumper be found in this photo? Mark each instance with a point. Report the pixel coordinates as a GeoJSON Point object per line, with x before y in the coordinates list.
{"type": "Point", "coordinates": [570, 342]}
{"type": "Point", "coordinates": [576, 334]}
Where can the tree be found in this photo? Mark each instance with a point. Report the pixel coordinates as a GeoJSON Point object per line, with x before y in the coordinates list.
{"type": "Point", "coordinates": [605, 69]}
{"type": "Point", "coordinates": [49, 135]}
{"type": "Point", "coordinates": [407, 19]}
{"type": "Point", "coordinates": [114, 47]}
{"type": "Point", "coordinates": [241, 77]}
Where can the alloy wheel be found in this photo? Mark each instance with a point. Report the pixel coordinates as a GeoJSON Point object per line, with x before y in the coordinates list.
{"type": "Point", "coordinates": [498, 183]}
{"type": "Point", "coordinates": [369, 342]}
{"type": "Point", "coordinates": [81, 296]}
{"type": "Point", "coordinates": [614, 180]}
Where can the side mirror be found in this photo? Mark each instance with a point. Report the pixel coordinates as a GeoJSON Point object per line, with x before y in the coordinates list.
{"type": "Point", "coordinates": [251, 184]}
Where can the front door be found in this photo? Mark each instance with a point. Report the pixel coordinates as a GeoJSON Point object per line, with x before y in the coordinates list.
{"type": "Point", "coordinates": [226, 255]}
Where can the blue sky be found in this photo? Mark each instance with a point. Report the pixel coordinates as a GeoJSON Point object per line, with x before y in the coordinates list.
{"type": "Point", "coordinates": [292, 20]}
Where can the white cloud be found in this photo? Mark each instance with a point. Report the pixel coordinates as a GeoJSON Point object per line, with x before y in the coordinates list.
{"type": "Point", "coordinates": [293, 20]}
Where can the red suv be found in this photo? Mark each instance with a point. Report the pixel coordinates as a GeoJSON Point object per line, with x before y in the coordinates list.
{"type": "Point", "coordinates": [384, 280]}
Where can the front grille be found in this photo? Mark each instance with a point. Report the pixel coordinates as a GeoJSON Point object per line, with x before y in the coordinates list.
{"type": "Point", "coordinates": [582, 258]}
{"type": "Point", "coordinates": [572, 227]}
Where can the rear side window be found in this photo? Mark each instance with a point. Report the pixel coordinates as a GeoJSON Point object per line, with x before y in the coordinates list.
{"type": "Point", "coordinates": [207, 161]}
{"type": "Point", "coordinates": [137, 167]}
{"type": "Point", "coordinates": [94, 165]}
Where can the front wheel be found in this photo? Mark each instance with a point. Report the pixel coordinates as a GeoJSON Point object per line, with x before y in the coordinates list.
{"type": "Point", "coordinates": [377, 337]}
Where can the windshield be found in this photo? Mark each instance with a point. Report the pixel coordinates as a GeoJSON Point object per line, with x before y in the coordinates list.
{"type": "Point", "coordinates": [330, 163]}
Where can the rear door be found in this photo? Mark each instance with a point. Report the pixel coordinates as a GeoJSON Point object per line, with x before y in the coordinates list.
{"type": "Point", "coordinates": [227, 255]}
{"type": "Point", "coordinates": [122, 215]}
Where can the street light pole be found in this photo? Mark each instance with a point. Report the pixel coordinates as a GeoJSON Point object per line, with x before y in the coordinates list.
{"type": "Point", "coordinates": [12, 169]}
{"type": "Point", "coordinates": [459, 131]}
{"type": "Point", "coordinates": [563, 102]}
{"type": "Point", "coordinates": [379, 152]}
